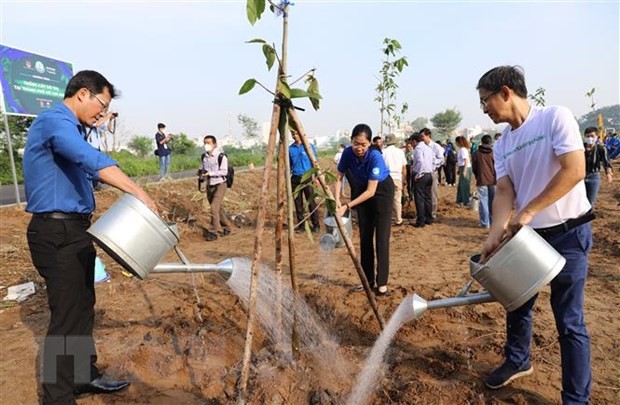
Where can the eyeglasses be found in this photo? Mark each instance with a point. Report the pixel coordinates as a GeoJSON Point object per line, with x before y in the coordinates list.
{"type": "Point", "coordinates": [103, 103]}
{"type": "Point", "coordinates": [483, 100]}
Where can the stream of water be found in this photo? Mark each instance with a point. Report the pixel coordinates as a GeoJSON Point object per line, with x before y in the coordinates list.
{"type": "Point", "coordinates": [367, 379]}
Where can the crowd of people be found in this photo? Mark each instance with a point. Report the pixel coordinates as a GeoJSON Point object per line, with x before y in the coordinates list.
{"type": "Point", "coordinates": [549, 182]}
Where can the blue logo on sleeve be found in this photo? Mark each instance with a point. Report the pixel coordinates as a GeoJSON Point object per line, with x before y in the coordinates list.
{"type": "Point", "coordinates": [376, 171]}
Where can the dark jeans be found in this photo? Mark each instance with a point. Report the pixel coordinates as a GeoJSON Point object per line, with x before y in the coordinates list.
{"type": "Point", "coordinates": [375, 222]}
{"type": "Point", "coordinates": [450, 171]}
{"type": "Point", "coordinates": [423, 199]}
{"type": "Point", "coordinates": [593, 184]}
{"type": "Point", "coordinates": [567, 305]}
{"type": "Point", "coordinates": [64, 256]}
{"type": "Point", "coordinates": [299, 201]}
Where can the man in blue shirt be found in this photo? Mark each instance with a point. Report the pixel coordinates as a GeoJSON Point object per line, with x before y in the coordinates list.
{"type": "Point", "coordinates": [421, 173]}
{"type": "Point", "coordinates": [58, 167]}
{"type": "Point", "coordinates": [300, 164]}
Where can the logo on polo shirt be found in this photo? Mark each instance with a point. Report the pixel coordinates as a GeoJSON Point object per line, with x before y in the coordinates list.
{"type": "Point", "coordinates": [376, 171]}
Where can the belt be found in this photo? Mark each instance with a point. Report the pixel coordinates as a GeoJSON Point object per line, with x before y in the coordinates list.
{"type": "Point", "coordinates": [63, 215]}
{"type": "Point", "coordinates": [566, 226]}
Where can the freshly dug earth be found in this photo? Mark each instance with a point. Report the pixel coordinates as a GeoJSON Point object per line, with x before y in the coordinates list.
{"type": "Point", "coordinates": [179, 338]}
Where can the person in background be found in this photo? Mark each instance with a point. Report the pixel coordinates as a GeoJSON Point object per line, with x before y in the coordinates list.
{"type": "Point", "coordinates": [463, 190]}
{"type": "Point", "coordinates": [612, 143]}
{"type": "Point", "coordinates": [451, 159]}
{"type": "Point", "coordinates": [497, 136]}
{"type": "Point", "coordinates": [438, 152]}
{"type": "Point", "coordinates": [58, 165]}
{"type": "Point", "coordinates": [409, 158]}
{"type": "Point", "coordinates": [94, 133]}
{"type": "Point", "coordinates": [337, 157]}
{"type": "Point", "coordinates": [443, 162]}
{"type": "Point", "coordinates": [372, 196]}
{"type": "Point", "coordinates": [397, 165]}
{"type": "Point", "coordinates": [596, 156]}
{"type": "Point", "coordinates": [483, 167]}
{"type": "Point", "coordinates": [421, 173]}
{"type": "Point", "coordinates": [300, 164]}
{"type": "Point", "coordinates": [163, 150]}
{"type": "Point", "coordinates": [214, 169]}
{"type": "Point", "coordinates": [377, 142]}
{"type": "Point", "coordinates": [540, 169]}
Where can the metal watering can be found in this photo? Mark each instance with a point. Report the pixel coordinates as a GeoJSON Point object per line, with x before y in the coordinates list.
{"type": "Point", "coordinates": [137, 239]}
{"type": "Point", "coordinates": [516, 271]}
{"type": "Point", "coordinates": [333, 238]}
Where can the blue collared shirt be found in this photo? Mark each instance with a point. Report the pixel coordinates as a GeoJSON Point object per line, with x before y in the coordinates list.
{"type": "Point", "coordinates": [370, 167]}
{"type": "Point", "coordinates": [422, 159]}
{"type": "Point", "coordinates": [59, 163]}
{"type": "Point", "coordinates": [300, 162]}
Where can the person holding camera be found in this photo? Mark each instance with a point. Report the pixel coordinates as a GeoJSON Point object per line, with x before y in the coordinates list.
{"type": "Point", "coordinates": [213, 171]}
{"type": "Point", "coordinates": [163, 150]}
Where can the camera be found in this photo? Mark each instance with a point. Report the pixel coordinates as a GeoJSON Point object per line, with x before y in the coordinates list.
{"type": "Point", "coordinates": [201, 179]}
{"type": "Point", "coordinates": [115, 114]}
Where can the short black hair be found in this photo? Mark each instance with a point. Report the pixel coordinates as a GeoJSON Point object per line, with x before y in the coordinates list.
{"type": "Point", "coordinates": [376, 138]}
{"type": "Point", "coordinates": [589, 130]}
{"type": "Point", "coordinates": [93, 81]}
{"type": "Point", "coordinates": [509, 76]}
{"type": "Point", "coordinates": [486, 140]}
{"type": "Point", "coordinates": [425, 131]}
{"type": "Point", "coordinates": [362, 129]}
{"type": "Point", "coordinates": [416, 137]}
{"type": "Point", "coordinates": [210, 137]}
{"type": "Point", "coordinates": [160, 126]}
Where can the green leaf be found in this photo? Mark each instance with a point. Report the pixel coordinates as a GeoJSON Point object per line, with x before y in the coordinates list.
{"type": "Point", "coordinates": [299, 93]}
{"type": "Point", "coordinates": [330, 204]}
{"type": "Point", "coordinates": [308, 175]}
{"type": "Point", "coordinates": [329, 176]}
{"type": "Point", "coordinates": [247, 86]}
{"type": "Point", "coordinates": [270, 55]}
{"type": "Point", "coordinates": [254, 9]}
{"type": "Point", "coordinates": [313, 92]}
{"type": "Point", "coordinates": [256, 41]}
{"type": "Point", "coordinates": [284, 89]}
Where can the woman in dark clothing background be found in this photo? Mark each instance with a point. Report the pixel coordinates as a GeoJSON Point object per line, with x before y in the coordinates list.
{"type": "Point", "coordinates": [596, 156]}
{"type": "Point", "coordinates": [372, 195]}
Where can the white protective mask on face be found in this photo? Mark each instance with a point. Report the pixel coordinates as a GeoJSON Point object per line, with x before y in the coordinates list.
{"type": "Point", "coordinates": [208, 147]}
{"type": "Point", "coordinates": [590, 140]}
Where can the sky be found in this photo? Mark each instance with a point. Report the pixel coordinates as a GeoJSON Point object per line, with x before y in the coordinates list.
{"type": "Point", "coordinates": [183, 62]}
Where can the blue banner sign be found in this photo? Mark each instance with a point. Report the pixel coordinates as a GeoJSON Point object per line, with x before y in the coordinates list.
{"type": "Point", "coordinates": [31, 83]}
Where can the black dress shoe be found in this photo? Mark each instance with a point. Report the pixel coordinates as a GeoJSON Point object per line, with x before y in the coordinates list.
{"type": "Point", "coordinates": [99, 386]}
{"type": "Point", "coordinates": [418, 225]}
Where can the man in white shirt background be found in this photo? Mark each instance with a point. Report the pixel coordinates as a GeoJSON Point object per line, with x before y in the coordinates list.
{"type": "Point", "coordinates": [438, 152]}
{"type": "Point", "coordinates": [396, 162]}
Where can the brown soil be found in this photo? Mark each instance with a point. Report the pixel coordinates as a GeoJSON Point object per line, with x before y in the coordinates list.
{"type": "Point", "coordinates": [180, 349]}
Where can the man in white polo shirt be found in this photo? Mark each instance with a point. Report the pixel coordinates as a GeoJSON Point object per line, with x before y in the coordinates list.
{"type": "Point", "coordinates": [396, 162]}
{"type": "Point", "coordinates": [540, 169]}
{"type": "Point", "coordinates": [438, 152]}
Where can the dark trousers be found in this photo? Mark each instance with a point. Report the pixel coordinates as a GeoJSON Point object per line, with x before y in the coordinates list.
{"type": "Point", "coordinates": [375, 222]}
{"type": "Point", "coordinates": [64, 256]}
{"type": "Point", "coordinates": [567, 305]}
{"type": "Point", "coordinates": [422, 189]}
{"type": "Point", "coordinates": [450, 171]}
{"type": "Point", "coordinates": [306, 193]}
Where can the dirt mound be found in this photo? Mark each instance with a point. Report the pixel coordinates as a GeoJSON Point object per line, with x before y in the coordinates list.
{"type": "Point", "coordinates": [179, 338]}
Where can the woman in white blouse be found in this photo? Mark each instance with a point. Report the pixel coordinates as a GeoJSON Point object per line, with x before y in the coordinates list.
{"type": "Point", "coordinates": [463, 191]}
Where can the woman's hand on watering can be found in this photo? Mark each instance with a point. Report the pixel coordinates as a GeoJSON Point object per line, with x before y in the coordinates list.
{"type": "Point", "coordinates": [342, 209]}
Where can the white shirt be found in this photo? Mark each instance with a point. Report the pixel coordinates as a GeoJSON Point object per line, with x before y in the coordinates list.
{"type": "Point", "coordinates": [529, 157]}
{"type": "Point", "coordinates": [437, 154]}
{"type": "Point", "coordinates": [337, 157]}
{"type": "Point", "coordinates": [463, 157]}
{"type": "Point", "coordinates": [395, 160]}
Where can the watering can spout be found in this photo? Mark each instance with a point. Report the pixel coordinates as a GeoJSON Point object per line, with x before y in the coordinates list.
{"type": "Point", "coordinates": [420, 305]}
{"type": "Point", "coordinates": [225, 268]}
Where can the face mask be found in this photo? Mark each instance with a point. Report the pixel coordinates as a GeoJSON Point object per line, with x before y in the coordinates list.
{"type": "Point", "coordinates": [208, 147]}
{"type": "Point", "coordinates": [590, 140]}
